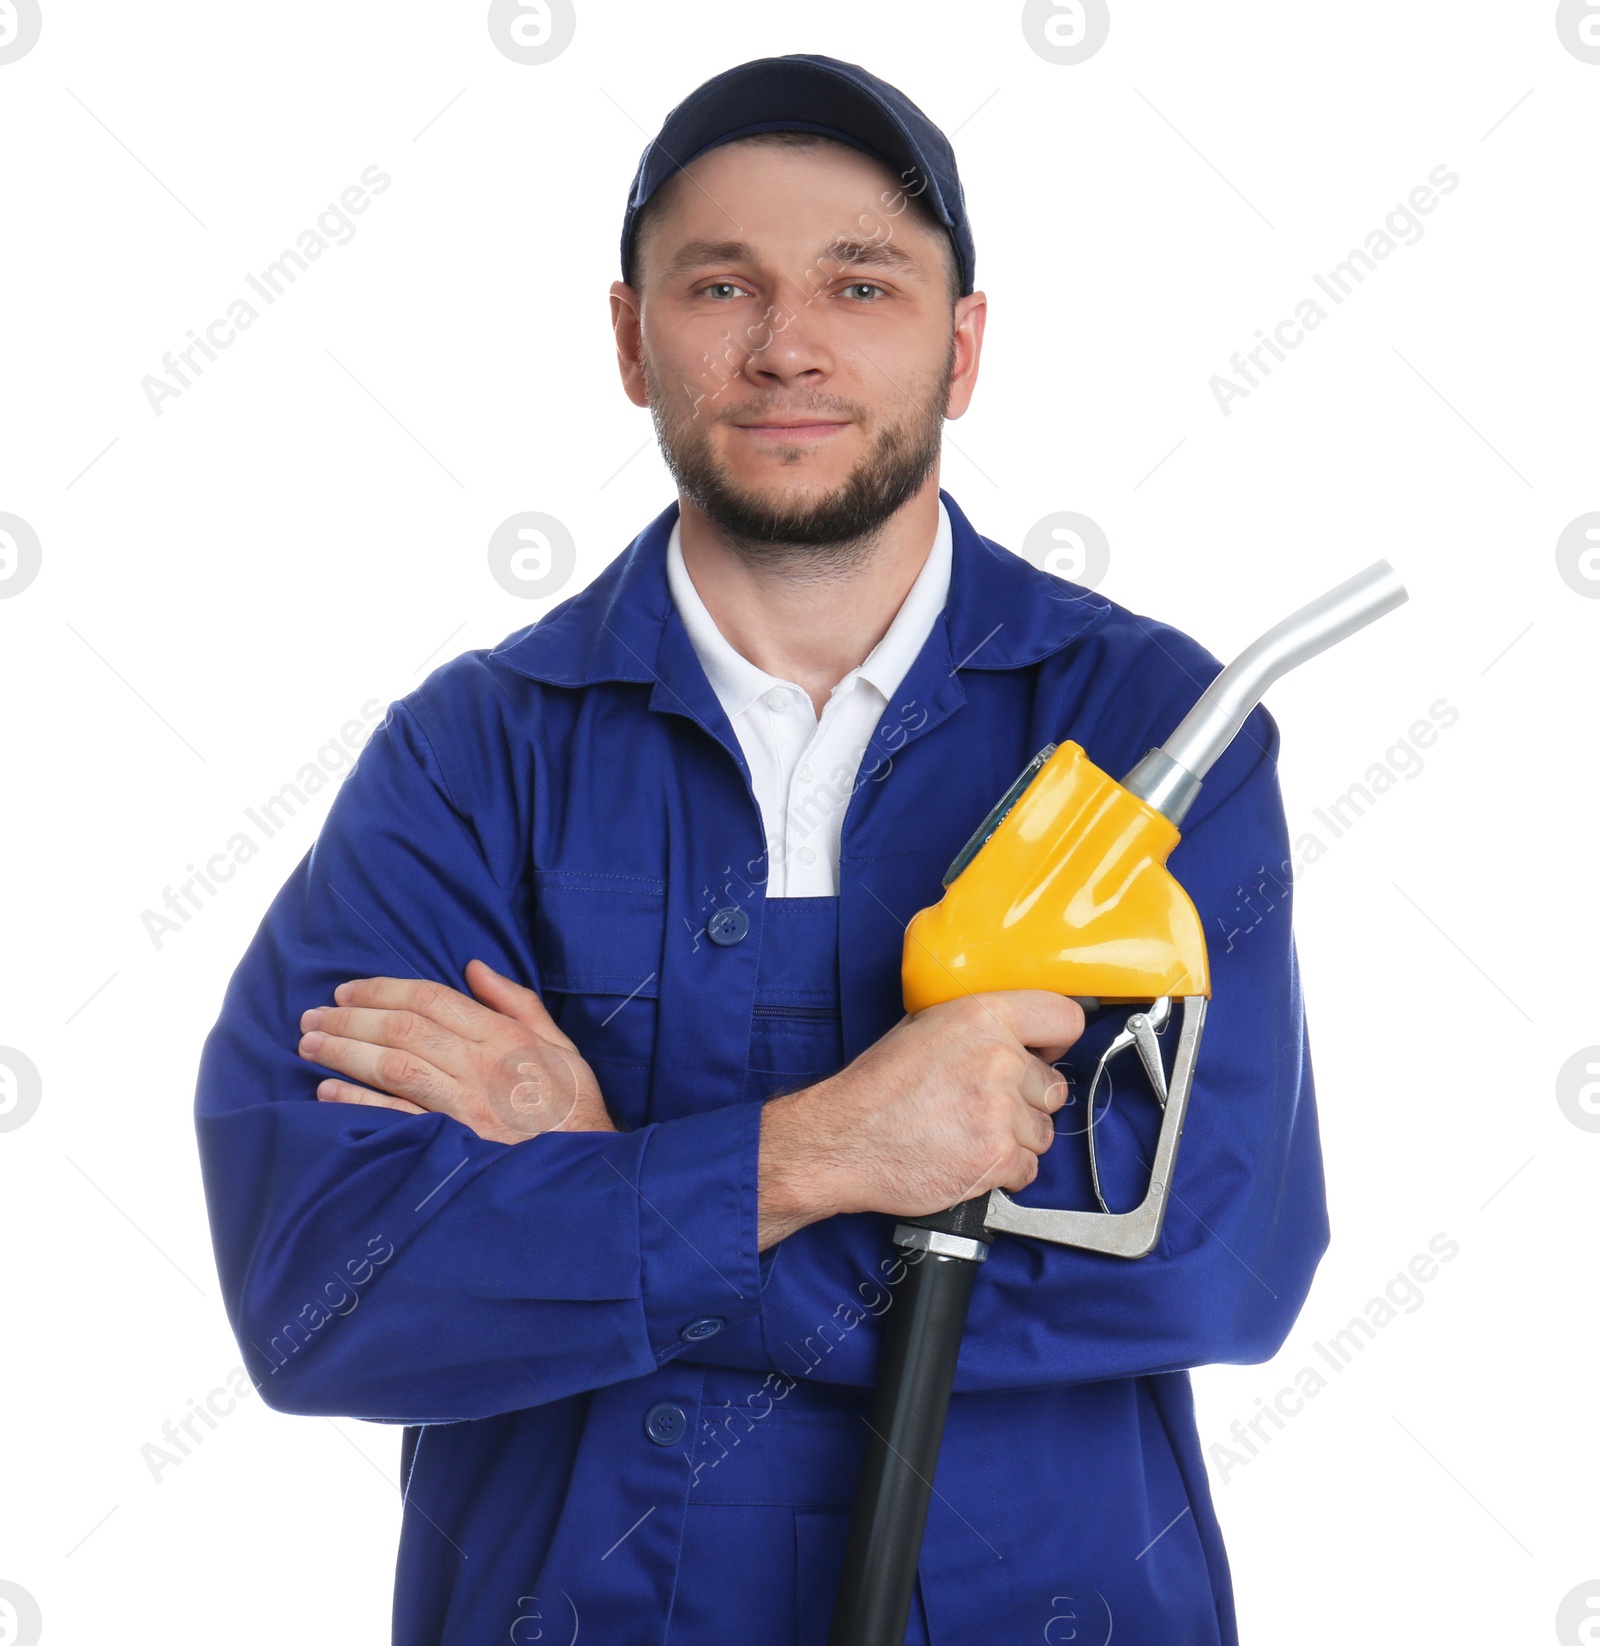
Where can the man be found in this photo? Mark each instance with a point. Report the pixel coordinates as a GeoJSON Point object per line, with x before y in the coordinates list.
{"type": "Point", "coordinates": [608, 1228]}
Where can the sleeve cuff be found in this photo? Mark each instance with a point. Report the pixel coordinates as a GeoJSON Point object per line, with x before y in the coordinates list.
{"type": "Point", "coordinates": [699, 1267]}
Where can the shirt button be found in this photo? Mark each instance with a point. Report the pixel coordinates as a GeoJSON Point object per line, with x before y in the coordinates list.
{"type": "Point", "coordinates": [728, 926]}
{"type": "Point", "coordinates": [777, 700]}
{"type": "Point", "coordinates": [697, 1331]}
{"type": "Point", "coordinates": [805, 774]}
{"type": "Point", "coordinates": [807, 855]}
{"type": "Point", "coordinates": [665, 1424]}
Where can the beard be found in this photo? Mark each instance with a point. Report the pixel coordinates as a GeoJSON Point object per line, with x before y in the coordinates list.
{"type": "Point", "coordinates": [823, 533]}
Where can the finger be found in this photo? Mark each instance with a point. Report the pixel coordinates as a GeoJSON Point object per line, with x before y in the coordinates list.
{"type": "Point", "coordinates": [1038, 1017]}
{"type": "Point", "coordinates": [1043, 1087]}
{"type": "Point", "coordinates": [384, 1069]}
{"type": "Point", "coordinates": [449, 1051]}
{"type": "Point", "coordinates": [1022, 1170]}
{"type": "Point", "coordinates": [445, 1006]}
{"type": "Point", "coordinates": [341, 1091]}
{"type": "Point", "coordinates": [380, 1026]}
{"type": "Point", "coordinates": [512, 999]}
{"type": "Point", "coordinates": [1033, 1128]}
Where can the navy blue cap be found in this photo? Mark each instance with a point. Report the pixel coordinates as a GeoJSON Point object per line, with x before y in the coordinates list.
{"type": "Point", "coordinates": [818, 94]}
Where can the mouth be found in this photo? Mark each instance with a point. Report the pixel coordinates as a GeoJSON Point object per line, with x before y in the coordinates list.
{"type": "Point", "coordinates": [789, 432]}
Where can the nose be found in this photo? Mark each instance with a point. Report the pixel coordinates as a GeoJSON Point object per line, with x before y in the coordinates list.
{"type": "Point", "coordinates": [792, 347]}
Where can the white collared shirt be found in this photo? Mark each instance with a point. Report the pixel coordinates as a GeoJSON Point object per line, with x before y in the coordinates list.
{"type": "Point", "coordinates": [804, 769]}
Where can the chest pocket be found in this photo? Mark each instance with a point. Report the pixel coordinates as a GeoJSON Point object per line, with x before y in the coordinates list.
{"type": "Point", "coordinates": [599, 940]}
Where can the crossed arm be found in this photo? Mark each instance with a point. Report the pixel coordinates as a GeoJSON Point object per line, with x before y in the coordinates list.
{"type": "Point", "coordinates": [949, 1104]}
{"type": "Point", "coordinates": [556, 1254]}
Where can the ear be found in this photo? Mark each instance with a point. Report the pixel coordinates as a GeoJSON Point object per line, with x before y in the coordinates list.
{"type": "Point", "coordinates": [970, 314]}
{"type": "Point", "coordinates": [626, 329]}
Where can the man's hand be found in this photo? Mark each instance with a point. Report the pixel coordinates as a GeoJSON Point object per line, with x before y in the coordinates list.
{"type": "Point", "coordinates": [949, 1104]}
{"type": "Point", "coordinates": [501, 1067]}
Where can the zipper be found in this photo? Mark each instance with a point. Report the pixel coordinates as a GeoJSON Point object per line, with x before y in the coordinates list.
{"type": "Point", "coordinates": [815, 1013]}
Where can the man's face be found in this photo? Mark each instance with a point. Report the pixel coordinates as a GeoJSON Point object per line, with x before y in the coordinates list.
{"type": "Point", "coordinates": [792, 333]}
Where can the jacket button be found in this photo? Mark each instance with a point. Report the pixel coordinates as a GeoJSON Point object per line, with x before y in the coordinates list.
{"type": "Point", "coordinates": [697, 1331]}
{"type": "Point", "coordinates": [728, 925]}
{"type": "Point", "coordinates": [665, 1424]}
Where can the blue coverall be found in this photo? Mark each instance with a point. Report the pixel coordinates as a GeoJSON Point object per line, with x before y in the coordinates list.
{"type": "Point", "coordinates": [622, 1420]}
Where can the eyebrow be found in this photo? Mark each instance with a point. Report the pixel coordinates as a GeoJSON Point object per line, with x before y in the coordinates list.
{"type": "Point", "coordinates": [881, 254]}
{"type": "Point", "coordinates": [874, 254]}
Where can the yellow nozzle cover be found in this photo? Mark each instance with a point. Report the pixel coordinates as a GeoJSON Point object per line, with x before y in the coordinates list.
{"type": "Point", "coordinates": [1070, 893]}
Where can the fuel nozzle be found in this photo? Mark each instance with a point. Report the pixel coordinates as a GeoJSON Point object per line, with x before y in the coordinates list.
{"type": "Point", "coordinates": [1169, 778]}
{"type": "Point", "coordinates": [1064, 884]}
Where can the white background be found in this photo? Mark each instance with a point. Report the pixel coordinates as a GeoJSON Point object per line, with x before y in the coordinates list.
{"type": "Point", "coordinates": [305, 528]}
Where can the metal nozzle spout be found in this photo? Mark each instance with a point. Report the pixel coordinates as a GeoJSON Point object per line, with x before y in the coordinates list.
{"type": "Point", "coordinates": [1169, 778]}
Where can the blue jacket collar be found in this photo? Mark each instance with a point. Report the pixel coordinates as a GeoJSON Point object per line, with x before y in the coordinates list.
{"type": "Point", "coordinates": [1002, 613]}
